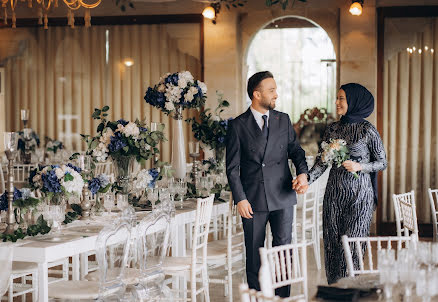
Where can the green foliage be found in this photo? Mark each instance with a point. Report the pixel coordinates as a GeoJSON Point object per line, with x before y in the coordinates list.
{"type": "Point", "coordinates": [72, 216]}
{"type": "Point", "coordinates": [41, 227]}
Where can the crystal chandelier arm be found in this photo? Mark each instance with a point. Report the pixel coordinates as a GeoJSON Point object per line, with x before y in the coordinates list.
{"type": "Point", "coordinates": [74, 4]}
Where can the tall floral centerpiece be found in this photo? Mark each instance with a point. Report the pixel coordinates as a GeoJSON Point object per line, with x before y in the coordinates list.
{"type": "Point", "coordinates": [211, 130]}
{"type": "Point", "coordinates": [171, 95]}
{"type": "Point", "coordinates": [126, 143]}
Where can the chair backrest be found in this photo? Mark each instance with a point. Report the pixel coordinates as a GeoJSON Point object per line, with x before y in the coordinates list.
{"type": "Point", "coordinates": [153, 235]}
{"type": "Point", "coordinates": [21, 173]}
{"type": "Point", "coordinates": [251, 295]}
{"type": "Point", "coordinates": [286, 265]}
{"type": "Point", "coordinates": [104, 168]}
{"type": "Point", "coordinates": [405, 212]}
{"type": "Point", "coordinates": [6, 252]}
{"type": "Point", "coordinates": [204, 208]}
{"type": "Point", "coordinates": [362, 248]}
{"type": "Point", "coordinates": [234, 228]}
{"type": "Point", "coordinates": [308, 210]}
{"type": "Point", "coordinates": [433, 198]}
{"type": "Point", "coordinates": [112, 252]}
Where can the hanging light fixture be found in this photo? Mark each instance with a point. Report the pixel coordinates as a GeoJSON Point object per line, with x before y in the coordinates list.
{"type": "Point", "coordinates": [211, 12]}
{"type": "Point", "coordinates": [356, 7]}
{"type": "Point", "coordinates": [45, 6]}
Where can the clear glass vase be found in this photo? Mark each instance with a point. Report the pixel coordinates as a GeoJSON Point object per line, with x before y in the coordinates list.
{"type": "Point", "coordinates": [124, 168]}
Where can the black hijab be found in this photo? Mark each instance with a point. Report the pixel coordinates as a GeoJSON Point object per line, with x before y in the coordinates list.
{"type": "Point", "coordinates": [360, 106]}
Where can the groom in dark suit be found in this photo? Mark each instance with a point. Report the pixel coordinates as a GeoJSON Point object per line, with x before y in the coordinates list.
{"type": "Point", "coordinates": [259, 144]}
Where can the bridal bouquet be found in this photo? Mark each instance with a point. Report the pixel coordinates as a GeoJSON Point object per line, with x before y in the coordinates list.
{"type": "Point", "coordinates": [177, 90]}
{"type": "Point", "coordinates": [57, 181]}
{"type": "Point", "coordinates": [335, 151]}
{"type": "Point", "coordinates": [122, 138]}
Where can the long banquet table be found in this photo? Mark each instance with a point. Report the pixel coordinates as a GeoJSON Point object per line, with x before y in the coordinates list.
{"type": "Point", "coordinates": [72, 242]}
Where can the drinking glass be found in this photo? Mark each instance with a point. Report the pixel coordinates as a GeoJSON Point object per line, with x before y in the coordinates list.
{"type": "Point", "coordinates": [108, 202]}
{"type": "Point", "coordinates": [153, 196]}
{"type": "Point", "coordinates": [24, 113]}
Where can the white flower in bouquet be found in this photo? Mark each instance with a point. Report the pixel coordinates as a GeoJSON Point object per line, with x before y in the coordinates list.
{"type": "Point", "coordinates": [142, 180]}
{"type": "Point", "coordinates": [131, 129]}
{"type": "Point", "coordinates": [100, 153]}
{"type": "Point", "coordinates": [216, 118]}
{"type": "Point", "coordinates": [106, 136]}
{"type": "Point", "coordinates": [26, 193]}
{"type": "Point", "coordinates": [182, 82]}
{"type": "Point", "coordinates": [73, 186]}
{"type": "Point", "coordinates": [59, 173]}
{"type": "Point", "coordinates": [203, 87]}
{"type": "Point", "coordinates": [169, 106]}
{"type": "Point", "coordinates": [173, 93]}
{"type": "Point", "coordinates": [104, 180]}
{"type": "Point", "coordinates": [37, 181]}
{"type": "Point", "coordinates": [187, 76]}
{"type": "Point", "coordinates": [188, 97]}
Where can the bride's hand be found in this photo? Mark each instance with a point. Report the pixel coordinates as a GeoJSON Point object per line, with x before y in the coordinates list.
{"type": "Point", "coordinates": [351, 166]}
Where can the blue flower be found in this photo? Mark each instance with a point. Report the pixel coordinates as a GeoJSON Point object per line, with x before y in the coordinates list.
{"type": "Point", "coordinates": [172, 79]}
{"type": "Point", "coordinates": [143, 129]}
{"type": "Point", "coordinates": [154, 173]}
{"type": "Point", "coordinates": [4, 199]}
{"type": "Point", "coordinates": [122, 122]}
{"type": "Point", "coordinates": [221, 139]}
{"type": "Point", "coordinates": [155, 98]}
{"type": "Point", "coordinates": [77, 169]}
{"type": "Point", "coordinates": [21, 145]}
{"type": "Point", "coordinates": [116, 143]}
{"type": "Point", "coordinates": [104, 180]}
{"type": "Point", "coordinates": [94, 185]}
{"type": "Point", "coordinates": [51, 182]}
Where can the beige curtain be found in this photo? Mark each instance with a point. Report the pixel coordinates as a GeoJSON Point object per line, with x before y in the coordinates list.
{"type": "Point", "coordinates": [410, 124]}
{"type": "Point", "coordinates": [61, 75]}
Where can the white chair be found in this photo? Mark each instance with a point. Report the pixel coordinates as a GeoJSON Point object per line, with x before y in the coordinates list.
{"type": "Point", "coordinates": [361, 245]}
{"type": "Point", "coordinates": [284, 265]}
{"type": "Point", "coordinates": [433, 198]}
{"type": "Point", "coordinates": [104, 168]}
{"type": "Point", "coordinates": [322, 184]}
{"type": "Point", "coordinates": [405, 212]}
{"type": "Point", "coordinates": [306, 224]}
{"type": "Point", "coordinates": [6, 253]}
{"type": "Point", "coordinates": [228, 253]}
{"type": "Point", "coordinates": [21, 173]}
{"type": "Point", "coordinates": [251, 295]}
{"type": "Point", "coordinates": [112, 251]}
{"type": "Point", "coordinates": [196, 263]}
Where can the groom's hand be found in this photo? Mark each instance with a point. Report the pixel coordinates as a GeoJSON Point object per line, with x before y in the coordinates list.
{"type": "Point", "coordinates": [244, 208]}
{"type": "Point", "coordinates": [300, 184]}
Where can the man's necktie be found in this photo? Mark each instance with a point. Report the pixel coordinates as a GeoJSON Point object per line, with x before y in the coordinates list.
{"type": "Point", "coordinates": [265, 130]}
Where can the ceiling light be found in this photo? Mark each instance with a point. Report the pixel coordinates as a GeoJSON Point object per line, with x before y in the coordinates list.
{"type": "Point", "coordinates": [209, 13]}
{"type": "Point", "coordinates": [356, 7]}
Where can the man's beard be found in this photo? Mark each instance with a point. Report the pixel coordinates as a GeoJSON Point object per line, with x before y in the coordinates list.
{"type": "Point", "coordinates": [268, 105]}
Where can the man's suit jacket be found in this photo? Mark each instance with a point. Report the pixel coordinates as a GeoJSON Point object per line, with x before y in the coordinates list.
{"type": "Point", "coordinates": [262, 176]}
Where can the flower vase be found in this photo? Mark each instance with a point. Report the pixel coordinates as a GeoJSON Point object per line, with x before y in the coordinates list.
{"type": "Point", "coordinates": [124, 167]}
{"type": "Point", "coordinates": [57, 199]}
{"type": "Point", "coordinates": [220, 160]}
{"type": "Point", "coordinates": [179, 162]}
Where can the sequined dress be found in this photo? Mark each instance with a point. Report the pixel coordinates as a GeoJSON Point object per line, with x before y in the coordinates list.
{"type": "Point", "coordinates": [348, 201]}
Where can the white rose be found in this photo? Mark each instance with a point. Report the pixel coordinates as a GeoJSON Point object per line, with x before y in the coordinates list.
{"type": "Point", "coordinates": [162, 88]}
{"type": "Point", "coordinates": [216, 118]}
{"type": "Point", "coordinates": [193, 90]}
{"type": "Point", "coordinates": [182, 83]}
{"type": "Point", "coordinates": [188, 97]}
{"type": "Point", "coordinates": [186, 75]}
{"type": "Point", "coordinates": [169, 106]}
{"type": "Point", "coordinates": [131, 129]}
{"type": "Point", "coordinates": [203, 87]}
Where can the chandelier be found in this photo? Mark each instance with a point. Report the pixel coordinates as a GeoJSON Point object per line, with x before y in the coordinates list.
{"type": "Point", "coordinates": [45, 5]}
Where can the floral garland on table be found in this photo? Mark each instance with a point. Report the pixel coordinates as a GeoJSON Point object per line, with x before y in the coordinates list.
{"type": "Point", "coordinates": [57, 181]}
{"type": "Point", "coordinates": [122, 138]}
{"type": "Point", "coordinates": [177, 90]}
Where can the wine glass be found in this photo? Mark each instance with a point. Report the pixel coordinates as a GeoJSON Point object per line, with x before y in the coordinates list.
{"type": "Point", "coordinates": [24, 116]}
{"type": "Point", "coordinates": [122, 201]}
{"type": "Point", "coordinates": [387, 270]}
{"type": "Point", "coordinates": [153, 196]}
{"type": "Point", "coordinates": [182, 191]}
{"type": "Point", "coordinates": [108, 202]}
